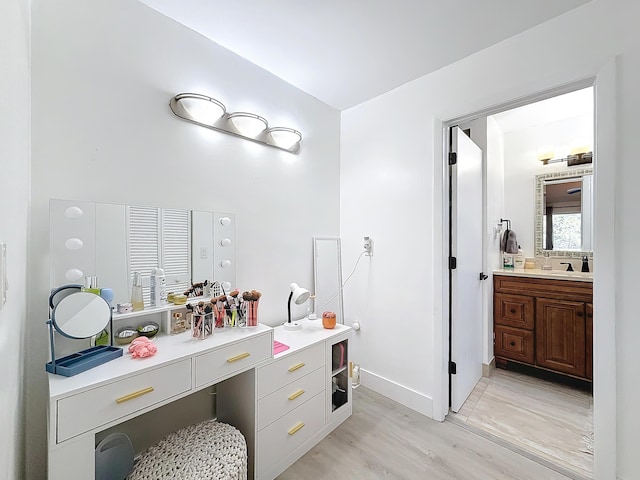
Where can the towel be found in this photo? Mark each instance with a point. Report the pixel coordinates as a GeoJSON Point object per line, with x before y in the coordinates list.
{"type": "Point", "coordinates": [509, 242]}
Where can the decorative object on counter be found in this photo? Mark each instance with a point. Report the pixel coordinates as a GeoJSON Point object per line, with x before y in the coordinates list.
{"type": "Point", "coordinates": [179, 299]}
{"type": "Point", "coordinates": [519, 258]}
{"type": "Point", "coordinates": [547, 262]}
{"type": "Point", "coordinates": [158, 288]}
{"type": "Point", "coordinates": [142, 347]}
{"type": "Point", "coordinates": [136, 292]}
{"type": "Point", "coordinates": [328, 319]}
{"type": "Point", "coordinates": [530, 263]}
{"type": "Point", "coordinates": [91, 285]}
{"type": "Point", "coordinates": [148, 329]}
{"type": "Point", "coordinates": [211, 113]}
{"type": "Point", "coordinates": [201, 320]}
{"type": "Point", "coordinates": [279, 347]}
{"type": "Point", "coordinates": [107, 294]}
{"type": "Point", "coordinates": [124, 307]}
{"type": "Point", "coordinates": [78, 315]}
{"type": "Point", "coordinates": [125, 335]}
{"type": "Point", "coordinates": [196, 290]}
{"type": "Point", "coordinates": [178, 323]}
{"type": "Point", "coordinates": [299, 295]}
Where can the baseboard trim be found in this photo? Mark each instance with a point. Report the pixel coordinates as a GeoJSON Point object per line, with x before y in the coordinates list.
{"type": "Point", "coordinates": [399, 393]}
{"type": "Point", "coordinates": [488, 369]}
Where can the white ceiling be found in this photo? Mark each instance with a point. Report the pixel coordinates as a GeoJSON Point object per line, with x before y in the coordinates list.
{"type": "Point", "coordinates": [574, 104]}
{"type": "Point", "coordinates": [346, 52]}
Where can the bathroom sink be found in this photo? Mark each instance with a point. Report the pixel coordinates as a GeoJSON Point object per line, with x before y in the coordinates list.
{"type": "Point", "coordinates": [562, 273]}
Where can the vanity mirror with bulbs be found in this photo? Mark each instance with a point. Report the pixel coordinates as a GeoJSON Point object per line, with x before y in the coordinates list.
{"type": "Point", "coordinates": [112, 241]}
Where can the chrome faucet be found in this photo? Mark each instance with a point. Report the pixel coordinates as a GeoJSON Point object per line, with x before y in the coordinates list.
{"type": "Point", "coordinates": [569, 266]}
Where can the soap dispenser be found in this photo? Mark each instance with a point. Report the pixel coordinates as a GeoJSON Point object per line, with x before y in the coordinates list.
{"type": "Point", "coordinates": [585, 263]}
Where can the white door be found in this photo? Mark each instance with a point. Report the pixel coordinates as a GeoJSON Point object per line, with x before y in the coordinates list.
{"type": "Point", "coordinates": [466, 282]}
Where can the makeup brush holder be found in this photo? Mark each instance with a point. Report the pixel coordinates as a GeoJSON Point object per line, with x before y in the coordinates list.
{"type": "Point", "coordinates": [252, 313]}
{"type": "Point", "coordinates": [202, 325]}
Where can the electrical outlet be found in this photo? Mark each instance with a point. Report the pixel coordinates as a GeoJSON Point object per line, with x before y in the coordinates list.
{"type": "Point", "coordinates": [368, 246]}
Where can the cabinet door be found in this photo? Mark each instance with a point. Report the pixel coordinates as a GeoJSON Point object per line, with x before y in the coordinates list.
{"type": "Point", "coordinates": [589, 342]}
{"type": "Point", "coordinates": [339, 388]}
{"type": "Point", "coordinates": [561, 336]}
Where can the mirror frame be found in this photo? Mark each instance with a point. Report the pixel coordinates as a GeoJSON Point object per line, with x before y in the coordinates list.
{"type": "Point", "coordinates": [87, 306]}
{"type": "Point", "coordinates": [539, 214]}
{"type": "Point", "coordinates": [336, 268]}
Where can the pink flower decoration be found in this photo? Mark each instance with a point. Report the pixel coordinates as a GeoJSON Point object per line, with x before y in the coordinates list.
{"type": "Point", "coordinates": [142, 347]}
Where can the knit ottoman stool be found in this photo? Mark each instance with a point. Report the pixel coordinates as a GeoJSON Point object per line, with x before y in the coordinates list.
{"type": "Point", "coordinates": [207, 450]}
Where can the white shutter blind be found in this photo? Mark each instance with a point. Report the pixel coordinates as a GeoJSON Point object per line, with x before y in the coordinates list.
{"type": "Point", "coordinates": [176, 249]}
{"type": "Point", "coordinates": [144, 240]}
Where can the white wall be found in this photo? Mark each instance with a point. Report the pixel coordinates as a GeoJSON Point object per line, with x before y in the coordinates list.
{"type": "Point", "coordinates": [14, 204]}
{"type": "Point", "coordinates": [103, 74]}
{"type": "Point", "coordinates": [521, 165]}
{"type": "Point", "coordinates": [391, 189]}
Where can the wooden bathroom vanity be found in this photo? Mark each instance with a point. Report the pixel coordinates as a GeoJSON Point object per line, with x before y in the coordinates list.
{"type": "Point", "coordinates": [544, 321]}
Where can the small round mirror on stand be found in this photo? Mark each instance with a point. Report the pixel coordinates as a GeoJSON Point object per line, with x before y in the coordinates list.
{"type": "Point", "coordinates": [81, 315]}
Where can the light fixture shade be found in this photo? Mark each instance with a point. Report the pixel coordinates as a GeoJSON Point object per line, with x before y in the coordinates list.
{"type": "Point", "coordinates": [248, 124]}
{"type": "Point", "coordinates": [285, 137]}
{"type": "Point", "coordinates": [300, 295]}
{"type": "Point", "coordinates": [199, 108]}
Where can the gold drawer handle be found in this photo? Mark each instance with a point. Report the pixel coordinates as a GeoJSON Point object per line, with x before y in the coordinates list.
{"type": "Point", "coordinates": [293, 396]}
{"type": "Point", "coordinates": [296, 367]}
{"type": "Point", "coordinates": [295, 429]}
{"type": "Point", "coordinates": [238, 357]}
{"type": "Point", "coordinates": [133, 395]}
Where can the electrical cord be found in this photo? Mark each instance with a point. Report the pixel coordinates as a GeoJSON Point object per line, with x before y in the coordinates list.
{"type": "Point", "coordinates": [343, 283]}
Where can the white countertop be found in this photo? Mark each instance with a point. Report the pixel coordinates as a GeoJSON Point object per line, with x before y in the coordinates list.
{"type": "Point", "coordinates": [550, 274]}
{"type": "Point", "coordinates": [312, 331]}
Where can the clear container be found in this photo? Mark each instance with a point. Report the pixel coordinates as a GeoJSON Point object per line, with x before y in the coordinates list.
{"type": "Point", "coordinates": [136, 292]}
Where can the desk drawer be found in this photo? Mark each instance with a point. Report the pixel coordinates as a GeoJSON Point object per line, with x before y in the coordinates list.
{"type": "Point", "coordinates": [282, 401]}
{"type": "Point", "coordinates": [289, 368]}
{"type": "Point", "coordinates": [288, 433]}
{"type": "Point", "coordinates": [514, 343]}
{"type": "Point", "coordinates": [215, 365]}
{"type": "Point", "coordinates": [93, 408]}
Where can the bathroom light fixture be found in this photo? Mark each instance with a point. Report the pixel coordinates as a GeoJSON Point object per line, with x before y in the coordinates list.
{"type": "Point", "coordinates": [299, 295]}
{"type": "Point", "coordinates": [248, 124]}
{"type": "Point", "coordinates": [211, 113]}
{"type": "Point", "coordinates": [284, 136]}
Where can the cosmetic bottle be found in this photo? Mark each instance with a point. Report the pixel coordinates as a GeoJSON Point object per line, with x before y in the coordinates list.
{"type": "Point", "coordinates": [136, 292]}
{"type": "Point", "coordinates": [519, 258]}
{"type": "Point", "coordinates": [91, 285]}
{"type": "Point", "coordinates": [158, 288]}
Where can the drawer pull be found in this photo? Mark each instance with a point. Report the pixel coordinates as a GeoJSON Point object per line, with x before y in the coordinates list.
{"type": "Point", "coordinates": [238, 357]}
{"type": "Point", "coordinates": [133, 395]}
{"type": "Point", "coordinates": [296, 367]}
{"type": "Point", "coordinates": [293, 396]}
{"type": "Point", "coordinates": [513, 344]}
{"type": "Point", "coordinates": [295, 429]}
{"type": "Point", "coordinates": [513, 310]}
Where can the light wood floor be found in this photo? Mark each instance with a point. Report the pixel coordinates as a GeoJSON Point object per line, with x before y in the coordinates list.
{"type": "Point", "coordinates": [548, 421]}
{"type": "Point", "coordinates": [385, 440]}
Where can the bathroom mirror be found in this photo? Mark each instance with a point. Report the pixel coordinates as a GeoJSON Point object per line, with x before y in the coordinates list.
{"type": "Point", "coordinates": [111, 241]}
{"type": "Point", "coordinates": [564, 213]}
{"type": "Point", "coordinates": [81, 315]}
{"type": "Point", "coordinates": [327, 269]}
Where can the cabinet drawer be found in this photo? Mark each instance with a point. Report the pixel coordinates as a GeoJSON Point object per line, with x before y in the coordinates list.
{"type": "Point", "coordinates": [87, 410]}
{"type": "Point", "coordinates": [285, 399]}
{"type": "Point", "coordinates": [513, 311]}
{"type": "Point", "coordinates": [289, 368]}
{"type": "Point", "coordinates": [285, 435]}
{"type": "Point", "coordinates": [514, 343]}
{"type": "Point", "coordinates": [217, 364]}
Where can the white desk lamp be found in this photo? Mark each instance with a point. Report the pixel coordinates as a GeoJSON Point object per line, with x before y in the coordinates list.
{"type": "Point", "coordinates": [299, 296]}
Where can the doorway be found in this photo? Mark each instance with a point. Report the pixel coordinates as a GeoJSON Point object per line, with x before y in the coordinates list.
{"type": "Point", "coordinates": [513, 141]}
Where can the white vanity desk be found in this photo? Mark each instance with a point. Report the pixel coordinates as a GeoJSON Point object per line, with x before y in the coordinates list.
{"type": "Point", "coordinates": [256, 392]}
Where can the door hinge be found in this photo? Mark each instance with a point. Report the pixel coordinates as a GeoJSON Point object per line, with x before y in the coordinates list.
{"type": "Point", "coordinates": [453, 263]}
{"type": "Point", "coordinates": [452, 368]}
{"type": "Point", "coordinates": [453, 158]}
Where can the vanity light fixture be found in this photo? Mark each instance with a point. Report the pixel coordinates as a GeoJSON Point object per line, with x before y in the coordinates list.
{"type": "Point", "coordinates": [248, 124]}
{"type": "Point", "coordinates": [211, 113]}
{"type": "Point", "coordinates": [299, 295]}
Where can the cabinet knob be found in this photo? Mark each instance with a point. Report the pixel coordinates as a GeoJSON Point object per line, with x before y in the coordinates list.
{"type": "Point", "coordinates": [513, 310]}
{"type": "Point", "coordinates": [579, 314]}
{"type": "Point", "coordinates": [513, 344]}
